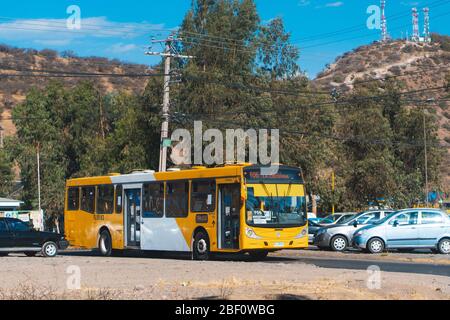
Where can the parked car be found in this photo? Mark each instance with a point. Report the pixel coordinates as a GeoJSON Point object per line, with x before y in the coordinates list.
{"type": "Point", "coordinates": [407, 229]}
{"type": "Point", "coordinates": [335, 218]}
{"type": "Point", "coordinates": [18, 236]}
{"type": "Point", "coordinates": [338, 237]}
{"type": "Point", "coordinates": [313, 227]}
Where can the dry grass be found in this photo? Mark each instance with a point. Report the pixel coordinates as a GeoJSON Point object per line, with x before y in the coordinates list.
{"type": "Point", "coordinates": [32, 292]}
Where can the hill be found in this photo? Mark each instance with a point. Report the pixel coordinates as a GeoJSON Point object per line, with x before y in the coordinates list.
{"type": "Point", "coordinates": [13, 89]}
{"type": "Point", "coordinates": [416, 65]}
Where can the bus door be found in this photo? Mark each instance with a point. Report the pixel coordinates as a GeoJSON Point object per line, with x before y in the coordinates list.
{"type": "Point", "coordinates": [228, 226]}
{"type": "Point", "coordinates": [133, 217]}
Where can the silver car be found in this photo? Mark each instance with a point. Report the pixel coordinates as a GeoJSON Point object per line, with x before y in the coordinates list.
{"type": "Point", "coordinates": [339, 236]}
{"type": "Point", "coordinates": [407, 229]}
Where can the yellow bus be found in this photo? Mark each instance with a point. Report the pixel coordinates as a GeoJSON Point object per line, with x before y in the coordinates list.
{"type": "Point", "coordinates": [201, 210]}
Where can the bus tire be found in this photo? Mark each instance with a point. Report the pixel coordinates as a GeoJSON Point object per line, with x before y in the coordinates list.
{"type": "Point", "coordinates": [105, 244]}
{"type": "Point", "coordinates": [201, 248]}
{"type": "Point", "coordinates": [258, 255]}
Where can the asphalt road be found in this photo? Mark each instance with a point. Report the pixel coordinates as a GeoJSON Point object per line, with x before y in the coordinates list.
{"type": "Point", "coordinates": [341, 262]}
{"type": "Point", "coordinates": [386, 266]}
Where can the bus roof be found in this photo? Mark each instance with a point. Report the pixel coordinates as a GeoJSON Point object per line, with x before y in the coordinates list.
{"type": "Point", "coordinates": [172, 174]}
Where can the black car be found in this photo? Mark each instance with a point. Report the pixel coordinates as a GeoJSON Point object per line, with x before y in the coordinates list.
{"type": "Point", "coordinates": [313, 227]}
{"type": "Point", "coordinates": [18, 236]}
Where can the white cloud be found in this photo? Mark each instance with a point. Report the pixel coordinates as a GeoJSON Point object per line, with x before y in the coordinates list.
{"type": "Point", "coordinates": [54, 42]}
{"type": "Point", "coordinates": [410, 3]}
{"type": "Point", "coordinates": [304, 3]}
{"type": "Point", "coordinates": [334, 4]}
{"type": "Point", "coordinates": [56, 31]}
{"type": "Point", "coordinates": [123, 48]}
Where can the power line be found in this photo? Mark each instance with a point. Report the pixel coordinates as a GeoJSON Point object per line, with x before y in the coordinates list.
{"type": "Point", "coordinates": [329, 103]}
{"type": "Point", "coordinates": [361, 139]}
{"type": "Point", "coordinates": [220, 40]}
{"type": "Point", "coordinates": [55, 73]}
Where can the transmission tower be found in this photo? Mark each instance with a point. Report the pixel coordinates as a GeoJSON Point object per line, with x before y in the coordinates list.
{"type": "Point", "coordinates": [415, 19]}
{"type": "Point", "coordinates": [426, 26]}
{"type": "Point", "coordinates": [384, 34]}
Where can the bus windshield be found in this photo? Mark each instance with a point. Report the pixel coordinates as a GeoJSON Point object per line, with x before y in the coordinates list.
{"type": "Point", "coordinates": [275, 206]}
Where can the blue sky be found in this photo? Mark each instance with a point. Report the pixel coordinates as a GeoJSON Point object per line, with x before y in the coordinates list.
{"type": "Point", "coordinates": [122, 29]}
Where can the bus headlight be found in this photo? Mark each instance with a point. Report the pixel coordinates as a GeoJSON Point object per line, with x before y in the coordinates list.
{"type": "Point", "coordinates": [251, 234]}
{"type": "Point", "coordinates": [302, 234]}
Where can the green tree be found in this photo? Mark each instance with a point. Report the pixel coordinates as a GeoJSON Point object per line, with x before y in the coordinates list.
{"type": "Point", "coordinates": [6, 174]}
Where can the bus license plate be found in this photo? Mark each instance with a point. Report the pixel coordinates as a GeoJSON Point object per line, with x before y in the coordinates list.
{"type": "Point", "coordinates": [279, 244]}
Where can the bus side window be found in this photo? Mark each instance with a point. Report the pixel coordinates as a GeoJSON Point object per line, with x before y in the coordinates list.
{"type": "Point", "coordinates": [119, 198]}
{"type": "Point", "coordinates": [153, 200]}
{"type": "Point", "coordinates": [105, 199]}
{"type": "Point", "coordinates": [88, 199]}
{"type": "Point", "coordinates": [73, 199]}
{"type": "Point", "coordinates": [177, 199]}
{"type": "Point", "coordinates": [203, 196]}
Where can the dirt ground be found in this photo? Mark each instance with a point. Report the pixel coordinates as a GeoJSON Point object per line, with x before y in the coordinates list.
{"type": "Point", "coordinates": [160, 277]}
{"type": "Point", "coordinates": [417, 256]}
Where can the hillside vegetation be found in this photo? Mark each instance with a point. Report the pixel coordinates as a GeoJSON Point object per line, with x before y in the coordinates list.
{"type": "Point", "coordinates": [14, 89]}
{"type": "Point", "coordinates": [414, 65]}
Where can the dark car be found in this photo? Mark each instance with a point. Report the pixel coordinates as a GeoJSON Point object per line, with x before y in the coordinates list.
{"type": "Point", "coordinates": [18, 236]}
{"type": "Point", "coordinates": [313, 227]}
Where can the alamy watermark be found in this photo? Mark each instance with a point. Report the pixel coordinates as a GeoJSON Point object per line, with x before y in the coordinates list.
{"type": "Point", "coordinates": [374, 20]}
{"type": "Point", "coordinates": [239, 146]}
{"type": "Point", "coordinates": [73, 22]}
{"type": "Point", "coordinates": [74, 278]}
{"type": "Point", "coordinates": [374, 278]}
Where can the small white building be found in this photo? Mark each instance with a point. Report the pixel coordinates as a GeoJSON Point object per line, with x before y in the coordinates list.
{"type": "Point", "coordinates": [8, 205]}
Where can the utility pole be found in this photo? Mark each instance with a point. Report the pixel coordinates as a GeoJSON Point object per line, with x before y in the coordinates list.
{"type": "Point", "coordinates": [1, 137]}
{"type": "Point", "coordinates": [425, 147]}
{"type": "Point", "coordinates": [39, 182]}
{"type": "Point", "coordinates": [333, 187]}
{"type": "Point", "coordinates": [426, 156]}
{"type": "Point", "coordinates": [168, 54]}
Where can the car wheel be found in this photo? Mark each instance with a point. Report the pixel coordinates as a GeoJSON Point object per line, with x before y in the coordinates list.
{"type": "Point", "coordinates": [201, 246]}
{"type": "Point", "coordinates": [30, 254]}
{"type": "Point", "coordinates": [49, 249]}
{"type": "Point", "coordinates": [3, 254]}
{"type": "Point", "coordinates": [339, 243]}
{"type": "Point", "coordinates": [444, 246]}
{"type": "Point", "coordinates": [375, 245]}
{"type": "Point", "coordinates": [105, 244]}
{"type": "Point", "coordinates": [258, 255]}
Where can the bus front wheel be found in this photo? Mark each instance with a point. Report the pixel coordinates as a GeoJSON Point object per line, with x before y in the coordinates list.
{"type": "Point", "coordinates": [201, 246]}
{"type": "Point", "coordinates": [105, 244]}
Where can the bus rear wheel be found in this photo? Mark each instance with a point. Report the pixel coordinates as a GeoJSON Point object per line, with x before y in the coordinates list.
{"type": "Point", "coordinates": [258, 255]}
{"type": "Point", "coordinates": [105, 244]}
{"type": "Point", "coordinates": [201, 246]}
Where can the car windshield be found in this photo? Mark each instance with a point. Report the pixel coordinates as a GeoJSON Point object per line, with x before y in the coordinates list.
{"type": "Point", "coordinates": [348, 218]}
{"type": "Point", "coordinates": [273, 211]}
{"type": "Point", "coordinates": [332, 217]}
{"type": "Point", "coordinates": [386, 218]}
